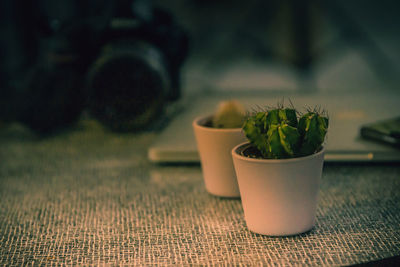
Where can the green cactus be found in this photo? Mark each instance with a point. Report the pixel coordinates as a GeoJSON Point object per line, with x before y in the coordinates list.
{"type": "Point", "coordinates": [287, 115]}
{"type": "Point", "coordinates": [277, 133]}
{"type": "Point", "coordinates": [283, 141]}
{"type": "Point", "coordinates": [312, 128]}
{"type": "Point", "coordinates": [256, 128]}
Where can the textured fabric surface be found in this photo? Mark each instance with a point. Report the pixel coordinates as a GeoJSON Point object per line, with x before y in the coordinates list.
{"type": "Point", "coordinates": [91, 197]}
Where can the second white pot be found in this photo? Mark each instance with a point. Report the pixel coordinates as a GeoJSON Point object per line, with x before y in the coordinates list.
{"type": "Point", "coordinates": [214, 146]}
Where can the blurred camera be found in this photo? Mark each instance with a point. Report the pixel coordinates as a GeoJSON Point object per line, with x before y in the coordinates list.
{"type": "Point", "coordinates": [120, 60]}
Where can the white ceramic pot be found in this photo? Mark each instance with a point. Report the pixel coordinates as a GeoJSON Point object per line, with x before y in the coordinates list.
{"type": "Point", "coordinates": [215, 146]}
{"type": "Point", "coordinates": [279, 196]}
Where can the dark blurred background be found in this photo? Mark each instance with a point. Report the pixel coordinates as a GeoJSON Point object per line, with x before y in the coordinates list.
{"type": "Point", "coordinates": [124, 62]}
{"type": "Point", "coordinates": [347, 45]}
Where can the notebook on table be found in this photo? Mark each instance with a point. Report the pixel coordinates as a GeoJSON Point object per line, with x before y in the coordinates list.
{"type": "Point", "coordinates": [347, 111]}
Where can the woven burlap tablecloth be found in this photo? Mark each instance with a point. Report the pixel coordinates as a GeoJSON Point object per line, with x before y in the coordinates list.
{"type": "Point", "coordinates": [87, 196]}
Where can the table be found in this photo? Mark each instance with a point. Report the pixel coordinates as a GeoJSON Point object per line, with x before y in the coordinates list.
{"type": "Point", "coordinates": [89, 196]}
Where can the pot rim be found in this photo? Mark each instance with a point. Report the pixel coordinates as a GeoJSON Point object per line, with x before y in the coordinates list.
{"type": "Point", "coordinates": [235, 154]}
{"type": "Point", "coordinates": [197, 124]}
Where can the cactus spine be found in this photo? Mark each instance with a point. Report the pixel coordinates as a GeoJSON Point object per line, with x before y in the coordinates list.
{"type": "Point", "coordinates": [277, 133]}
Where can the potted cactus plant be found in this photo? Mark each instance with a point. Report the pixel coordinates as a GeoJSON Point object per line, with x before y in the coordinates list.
{"type": "Point", "coordinates": [280, 168]}
{"type": "Point", "coordinates": [216, 135]}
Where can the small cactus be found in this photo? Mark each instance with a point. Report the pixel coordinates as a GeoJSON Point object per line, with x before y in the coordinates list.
{"type": "Point", "coordinates": [256, 128]}
{"type": "Point", "coordinates": [230, 114]}
{"type": "Point", "coordinates": [277, 133]}
{"type": "Point", "coordinates": [312, 128]}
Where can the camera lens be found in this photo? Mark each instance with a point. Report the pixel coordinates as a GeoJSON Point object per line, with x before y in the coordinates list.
{"type": "Point", "coordinates": [128, 84]}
